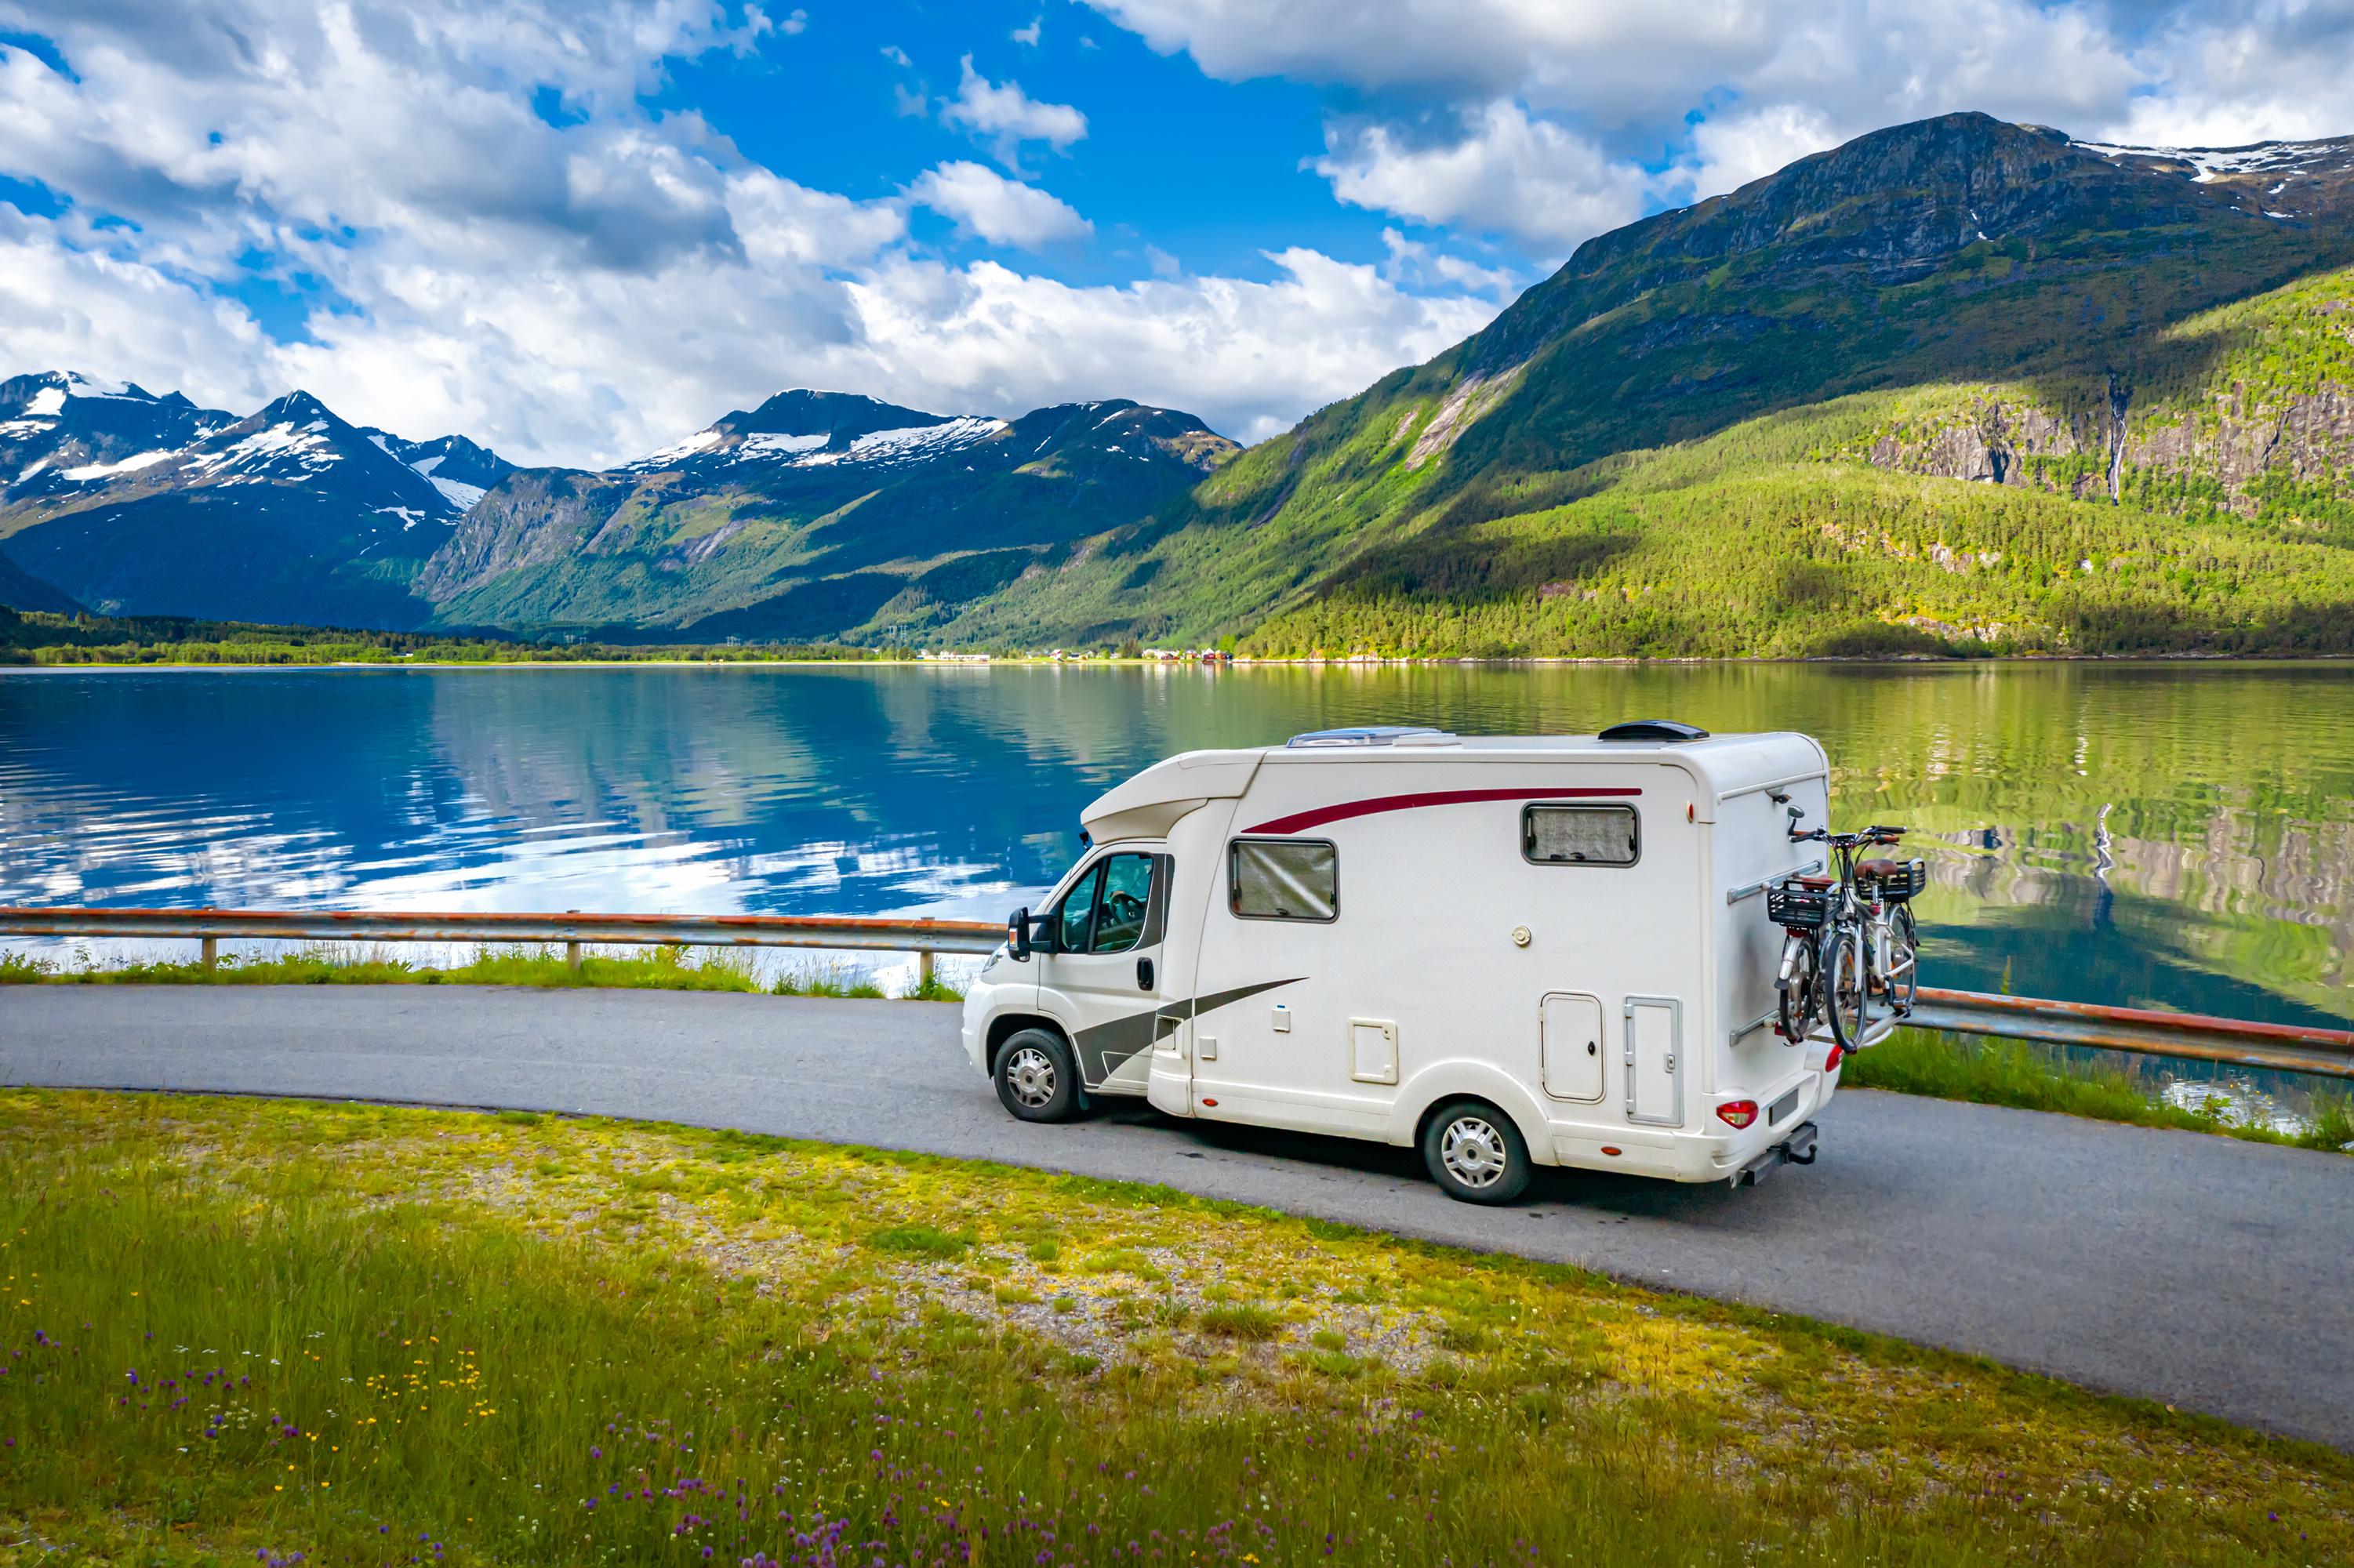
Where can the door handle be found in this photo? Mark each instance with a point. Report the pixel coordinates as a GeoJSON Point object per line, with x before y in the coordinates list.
{"type": "Point", "coordinates": [1144, 974]}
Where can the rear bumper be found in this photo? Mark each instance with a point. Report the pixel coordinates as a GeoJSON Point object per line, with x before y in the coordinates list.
{"type": "Point", "coordinates": [1695, 1156]}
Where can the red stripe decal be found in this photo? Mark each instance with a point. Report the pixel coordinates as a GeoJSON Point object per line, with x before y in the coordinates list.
{"type": "Point", "coordinates": [1301, 822]}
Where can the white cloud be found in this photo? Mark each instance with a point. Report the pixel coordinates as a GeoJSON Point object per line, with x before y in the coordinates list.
{"type": "Point", "coordinates": [585, 291]}
{"type": "Point", "coordinates": [1592, 98]}
{"type": "Point", "coordinates": [1249, 356]}
{"type": "Point", "coordinates": [1007, 117]}
{"type": "Point", "coordinates": [1029, 35]}
{"type": "Point", "coordinates": [1001, 211]}
{"type": "Point", "coordinates": [1731, 149]}
{"type": "Point", "coordinates": [1509, 174]}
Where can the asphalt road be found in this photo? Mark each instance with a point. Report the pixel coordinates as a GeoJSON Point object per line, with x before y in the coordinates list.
{"type": "Point", "coordinates": [2201, 1271]}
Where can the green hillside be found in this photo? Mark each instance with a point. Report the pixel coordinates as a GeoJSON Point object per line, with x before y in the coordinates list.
{"type": "Point", "coordinates": [1868, 405]}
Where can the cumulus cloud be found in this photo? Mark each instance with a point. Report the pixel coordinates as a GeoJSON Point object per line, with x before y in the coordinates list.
{"type": "Point", "coordinates": [1506, 174]}
{"type": "Point", "coordinates": [1003, 115]}
{"type": "Point", "coordinates": [1001, 211]}
{"type": "Point", "coordinates": [1683, 99]}
{"type": "Point", "coordinates": [578, 287]}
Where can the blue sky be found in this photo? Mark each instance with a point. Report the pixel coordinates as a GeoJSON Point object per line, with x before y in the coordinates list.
{"type": "Point", "coordinates": [579, 229]}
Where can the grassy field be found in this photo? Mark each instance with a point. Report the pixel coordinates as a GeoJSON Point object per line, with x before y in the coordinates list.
{"type": "Point", "coordinates": [2041, 1077]}
{"type": "Point", "coordinates": [282, 1333]}
{"type": "Point", "coordinates": [654, 968]}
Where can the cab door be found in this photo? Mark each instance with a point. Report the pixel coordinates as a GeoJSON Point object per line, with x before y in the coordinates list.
{"type": "Point", "coordinates": [1100, 976]}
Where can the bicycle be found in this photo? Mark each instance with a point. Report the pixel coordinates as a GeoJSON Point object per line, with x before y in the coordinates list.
{"type": "Point", "coordinates": [1851, 938]}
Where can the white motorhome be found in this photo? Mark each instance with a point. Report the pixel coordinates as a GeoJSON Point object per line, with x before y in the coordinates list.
{"type": "Point", "coordinates": [1509, 951]}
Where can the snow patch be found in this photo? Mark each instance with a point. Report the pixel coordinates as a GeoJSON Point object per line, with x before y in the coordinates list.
{"type": "Point", "coordinates": [701, 440]}
{"type": "Point", "coordinates": [48, 401]}
{"type": "Point", "coordinates": [94, 387]}
{"type": "Point", "coordinates": [264, 447]}
{"type": "Point", "coordinates": [92, 473]}
{"type": "Point", "coordinates": [770, 444]}
{"type": "Point", "coordinates": [16, 429]}
{"type": "Point", "coordinates": [35, 468]}
{"type": "Point", "coordinates": [429, 465]}
{"type": "Point", "coordinates": [913, 443]}
{"type": "Point", "coordinates": [461, 496]}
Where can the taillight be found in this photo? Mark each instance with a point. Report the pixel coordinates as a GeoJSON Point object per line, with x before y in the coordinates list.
{"type": "Point", "coordinates": [1737, 1114]}
{"type": "Point", "coordinates": [1831, 1062]}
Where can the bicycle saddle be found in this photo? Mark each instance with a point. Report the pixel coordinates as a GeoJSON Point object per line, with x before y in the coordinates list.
{"type": "Point", "coordinates": [1817, 881]}
{"type": "Point", "coordinates": [1878, 869]}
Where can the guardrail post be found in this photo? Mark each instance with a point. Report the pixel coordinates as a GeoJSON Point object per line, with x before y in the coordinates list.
{"type": "Point", "coordinates": [923, 971]}
{"type": "Point", "coordinates": [209, 954]}
{"type": "Point", "coordinates": [572, 947]}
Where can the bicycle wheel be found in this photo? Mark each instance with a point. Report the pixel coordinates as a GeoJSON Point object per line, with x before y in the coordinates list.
{"type": "Point", "coordinates": [1846, 985]}
{"type": "Point", "coordinates": [1903, 960]}
{"type": "Point", "coordinates": [1801, 995]}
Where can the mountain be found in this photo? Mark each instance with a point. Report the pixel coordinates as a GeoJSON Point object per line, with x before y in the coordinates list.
{"type": "Point", "coordinates": [815, 514]}
{"type": "Point", "coordinates": [137, 503]}
{"type": "Point", "coordinates": [1959, 384]}
{"type": "Point", "coordinates": [20, 589]}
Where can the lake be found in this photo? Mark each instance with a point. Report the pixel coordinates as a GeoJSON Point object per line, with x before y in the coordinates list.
{"type": "Point", "coordinates": [2176, 834]}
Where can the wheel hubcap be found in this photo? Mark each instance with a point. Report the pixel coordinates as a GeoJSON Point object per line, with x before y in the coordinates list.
{"type": "Point", "coordinates": [1031, 1076]}
{"type": "Point", "coordinates": [1473, 1153]}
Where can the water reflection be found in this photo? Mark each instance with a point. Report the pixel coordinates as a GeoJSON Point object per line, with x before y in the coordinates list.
{"type": "Point", "coordinates": [2178, 835]}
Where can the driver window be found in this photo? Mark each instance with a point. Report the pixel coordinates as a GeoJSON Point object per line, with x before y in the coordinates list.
{"type": "Point", "coordinates": [1071, 922]}
{"type": "Point", "coordinates": [1127, 889]}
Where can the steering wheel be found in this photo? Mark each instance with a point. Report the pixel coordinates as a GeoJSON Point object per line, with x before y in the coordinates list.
{"type": "Point", "coordinates": [1124, 908]}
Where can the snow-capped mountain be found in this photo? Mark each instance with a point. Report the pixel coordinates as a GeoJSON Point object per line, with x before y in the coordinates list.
{"type": "Point", "coordinates": [127, 501]}
{"type": "Point", "coordinates": [805, 516]}
{"type": "Point", "coordinates": [130, 503]}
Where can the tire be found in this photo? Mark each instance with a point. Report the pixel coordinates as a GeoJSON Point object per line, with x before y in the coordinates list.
{"type": "Point", "coordinates": [1037, 1079]}
{"type": "Point", "coordinates": [1846, 986]}
{"type": "Point", "coordinates": [1800, 1000]}
{"type": "Point", "coordinates": [1475, 1153]}
{"type": "Point", "coordinates": [1904, 948]}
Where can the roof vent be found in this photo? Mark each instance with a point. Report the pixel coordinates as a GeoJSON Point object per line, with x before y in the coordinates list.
{"type": "Point", "coordinates": [1653, 729]}
{"type": "Point", "coordinates": [1365, 735]}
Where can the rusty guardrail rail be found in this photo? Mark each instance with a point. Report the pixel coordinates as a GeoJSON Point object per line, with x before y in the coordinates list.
{"type": "Point", "coordinates": [924, 938]}
{"type": "Point", "coordinates": [2288, 1047]}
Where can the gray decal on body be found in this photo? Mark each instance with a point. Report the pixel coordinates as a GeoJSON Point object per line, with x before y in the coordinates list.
{"type": "Point", "coordinates": [1106, 1048]}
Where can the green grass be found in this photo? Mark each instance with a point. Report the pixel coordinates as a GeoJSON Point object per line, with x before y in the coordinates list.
{"type": "Point", "coordinates": [2040, 1077]}
{"type": "Point", "coordinates": [657, 969]}
{"type": "Point", "coordinates": [240, 1331]}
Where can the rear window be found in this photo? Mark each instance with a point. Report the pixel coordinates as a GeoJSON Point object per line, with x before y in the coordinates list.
{"type": "Point", "coordinates": [1581, 835]}
{"type": "Point", "coordinates": [1283, 879]}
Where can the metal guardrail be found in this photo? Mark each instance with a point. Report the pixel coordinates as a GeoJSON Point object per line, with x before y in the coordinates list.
{"type": "Point", "coordinates": [924, 938]}
{"type": "Point", "coordinates": [2287, 1047]}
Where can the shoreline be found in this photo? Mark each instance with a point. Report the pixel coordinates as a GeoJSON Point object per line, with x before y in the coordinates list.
{"type": "Point", "coordinates": [1365, 661]}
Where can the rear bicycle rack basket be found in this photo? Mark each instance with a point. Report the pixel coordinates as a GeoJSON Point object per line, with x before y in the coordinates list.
{"type": "Point", "coordinates": [1796, 909]}
{"type": "Point", "coordinates": [1910, 880]}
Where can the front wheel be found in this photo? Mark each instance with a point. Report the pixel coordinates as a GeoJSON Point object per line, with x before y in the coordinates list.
{"type": "Point", "coordinates": [1475, 1153]}
{"type": "Point", "coordinates": [1846, 986]}
{"type": "Point", "coordinates": [1037, 1079]}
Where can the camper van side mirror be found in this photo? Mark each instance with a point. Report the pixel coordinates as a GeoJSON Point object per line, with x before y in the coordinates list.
{"type": "Point", "coordinates": [1017, 936]}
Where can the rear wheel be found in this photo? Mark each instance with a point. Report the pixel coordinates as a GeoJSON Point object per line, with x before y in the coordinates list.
{"type": "Point", "coordinates": [1904, 960]}
{"type": "Point", "coordinates": [1846, 986]}
{"type": "Point", "coordinates": [1799, 1000]}
{"type": "Point", "coordinates": [1475, 1153]}
{"type": "Point", "coordinates": [1037, 1079]}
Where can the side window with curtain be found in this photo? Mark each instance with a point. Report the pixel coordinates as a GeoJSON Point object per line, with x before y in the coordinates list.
{"type": "Point", "coordinates": [1581, 835]}
{"type": "Point", "coordinates": [1283, 879]}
